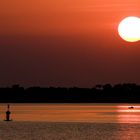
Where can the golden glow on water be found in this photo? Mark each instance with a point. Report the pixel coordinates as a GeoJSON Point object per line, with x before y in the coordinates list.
{"type": "Point", "coordinates": [128, 115]}
{"type": "Point", "coordinates": [106, 113]}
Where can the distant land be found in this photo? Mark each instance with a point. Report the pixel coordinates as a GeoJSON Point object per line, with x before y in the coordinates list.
{"type": "Point", "coordinates": [119, 93]}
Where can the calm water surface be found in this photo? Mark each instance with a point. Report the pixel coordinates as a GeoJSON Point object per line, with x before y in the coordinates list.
{"type": "Point", "coordinates": [98, 113]}
{"type": "Point", "coordinates": [71, 122]}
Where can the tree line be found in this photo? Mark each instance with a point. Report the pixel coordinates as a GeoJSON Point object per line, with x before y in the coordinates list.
{"type": "Point", "coordinates": [107, 93]}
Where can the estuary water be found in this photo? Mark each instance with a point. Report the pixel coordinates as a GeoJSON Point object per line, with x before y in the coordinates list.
{"type": "Point", "coordinates": [71, 122]}
{"type": "Point", "coordinates": [97, 113]}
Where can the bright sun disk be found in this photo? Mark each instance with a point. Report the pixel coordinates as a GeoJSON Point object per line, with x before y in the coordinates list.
{"type": "Point", "coordinates": [129, 29]}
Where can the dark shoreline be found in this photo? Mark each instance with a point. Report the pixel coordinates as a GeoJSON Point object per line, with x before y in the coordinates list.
{"type": "Point", "coordinates": [119, 93]}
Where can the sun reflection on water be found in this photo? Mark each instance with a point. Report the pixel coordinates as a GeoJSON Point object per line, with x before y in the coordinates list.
{"type": "Point", "coordinates": [126, 114]}
{"type": "Point", "coordinates": [96, 113]}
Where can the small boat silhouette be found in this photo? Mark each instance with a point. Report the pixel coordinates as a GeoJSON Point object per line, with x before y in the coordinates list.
{"type": "Point", "coordinates": [130, 107]}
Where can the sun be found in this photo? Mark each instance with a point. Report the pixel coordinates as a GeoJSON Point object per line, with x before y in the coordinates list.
{"type": "Point", "coordinates": [129, 29]}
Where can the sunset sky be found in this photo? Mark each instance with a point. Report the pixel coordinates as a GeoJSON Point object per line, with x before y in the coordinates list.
{"type": "Point", "coordinates": [66, 43]}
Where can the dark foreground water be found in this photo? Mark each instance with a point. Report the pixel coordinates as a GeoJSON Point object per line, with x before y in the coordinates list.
{"type": "Point", "coordinates": [71, 122]}
{"type": "Point", "coordinates": [68, 131]}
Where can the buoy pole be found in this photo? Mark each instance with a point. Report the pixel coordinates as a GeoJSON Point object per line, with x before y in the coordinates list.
{"type": "Point", "coordinates": [8, 113]}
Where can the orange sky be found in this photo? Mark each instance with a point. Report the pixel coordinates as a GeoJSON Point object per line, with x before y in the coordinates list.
{"type": "Point", "coordinates": [63, 16]}
{"type": "Point", "coordinates": [71, 42]}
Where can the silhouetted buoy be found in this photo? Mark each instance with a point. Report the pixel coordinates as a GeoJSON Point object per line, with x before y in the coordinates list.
{"type": "Point", "coordinates": [8, 113]}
